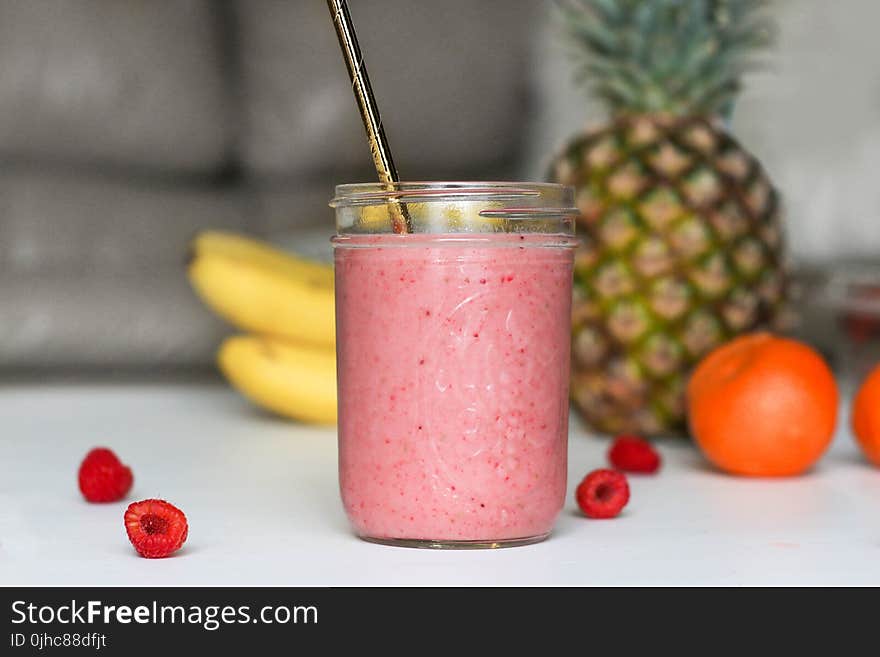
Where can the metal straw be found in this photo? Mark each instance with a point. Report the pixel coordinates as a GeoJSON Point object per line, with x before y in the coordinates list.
{"type": "Point", "coordinates": [363, 93]}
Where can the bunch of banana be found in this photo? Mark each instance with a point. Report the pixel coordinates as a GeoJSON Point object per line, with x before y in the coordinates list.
{"type": "Point", "coordinates": [288, 363]}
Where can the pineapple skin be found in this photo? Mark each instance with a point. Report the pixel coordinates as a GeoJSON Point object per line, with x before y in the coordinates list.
{"type": "Point", "coordinates": [682, 249]}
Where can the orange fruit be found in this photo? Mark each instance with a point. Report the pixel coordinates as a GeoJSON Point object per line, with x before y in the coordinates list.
{"type": "Point", "coordinates": [762, 406]}
{"type": "Point", "coordinates": [866, 416]}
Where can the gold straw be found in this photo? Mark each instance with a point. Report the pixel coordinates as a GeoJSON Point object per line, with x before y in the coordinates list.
{"type": "Point", "coordinates": [363, 93]}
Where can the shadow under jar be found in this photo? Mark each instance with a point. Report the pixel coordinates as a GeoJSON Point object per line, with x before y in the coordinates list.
{"type": "Point", "coordinates": [453, 348]}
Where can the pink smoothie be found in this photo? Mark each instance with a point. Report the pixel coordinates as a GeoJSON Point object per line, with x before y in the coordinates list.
{"type": "Point", "coordinates": [453, 364]}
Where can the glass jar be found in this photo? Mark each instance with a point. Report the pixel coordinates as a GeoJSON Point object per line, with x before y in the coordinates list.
{"type": "Point", "coordinates": [453, 360]}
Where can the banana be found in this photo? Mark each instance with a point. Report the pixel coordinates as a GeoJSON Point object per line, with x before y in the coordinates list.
{"type": "Point", "coordinates": [292, 380]}
{"type": "Point", "coordinates": [237, 246]}
{"type": "Point", "coordinates": [261, 289]}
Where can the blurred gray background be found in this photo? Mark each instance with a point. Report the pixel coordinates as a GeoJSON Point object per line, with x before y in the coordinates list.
{"type": "Point", "coordinates": [128, 125]}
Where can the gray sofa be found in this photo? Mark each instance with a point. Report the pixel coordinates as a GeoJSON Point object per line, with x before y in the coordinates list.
{"type": "Point", "coordinates": [127, 125]}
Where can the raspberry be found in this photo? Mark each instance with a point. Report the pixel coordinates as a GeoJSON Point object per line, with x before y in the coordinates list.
{"type": "Point", "coordinates": [602, 493]}
{"type": "Point", "coordinates": [103, 477]}
{"type": "Point", "coordinates": [155, 528]}
{"type": "Point", "coordinates": [634, 454]}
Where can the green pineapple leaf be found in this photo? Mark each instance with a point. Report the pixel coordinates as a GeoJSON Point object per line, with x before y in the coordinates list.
{"type": "Point", "coordinates": [675, 57]}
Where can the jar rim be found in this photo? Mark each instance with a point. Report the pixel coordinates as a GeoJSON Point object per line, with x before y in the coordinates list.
{"type": "Point", "coordinates": [456, 207]}
{"type": "Point", "coordinates": [377, 193]}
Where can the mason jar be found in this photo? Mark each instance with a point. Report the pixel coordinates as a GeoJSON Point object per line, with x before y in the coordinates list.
{"type": "Point", "coordinates": [453, 343]}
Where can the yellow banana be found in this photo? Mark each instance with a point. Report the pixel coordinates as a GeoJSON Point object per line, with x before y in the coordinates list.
{"type": "Point", "coordinates": [241, 247]}
{"type": "Point", "coordinates": [292, 380]}
{"type": "Point", "coordinates": [259, 288]}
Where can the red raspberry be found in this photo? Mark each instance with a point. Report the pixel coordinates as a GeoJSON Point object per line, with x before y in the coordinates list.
{"type": "Point", "coordinates": [634, 454]}
{"type": "Point", "coordinates": [602, 493]}
{"type": "Point", "coordinates": [103, 477]}
{"type": "Point", "coordinates": [155, 528]}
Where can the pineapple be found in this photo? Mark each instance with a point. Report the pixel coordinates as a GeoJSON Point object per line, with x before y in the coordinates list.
{"type": "Point", "coordinates": [683, 246]}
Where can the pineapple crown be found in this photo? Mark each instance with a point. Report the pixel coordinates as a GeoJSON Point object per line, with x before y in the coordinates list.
{"type": "Point", "coordinates": [674, 57]}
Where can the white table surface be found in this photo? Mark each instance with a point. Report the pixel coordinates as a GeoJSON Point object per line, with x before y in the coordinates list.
{"type": "Point", "coordinates": [263, 507]}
